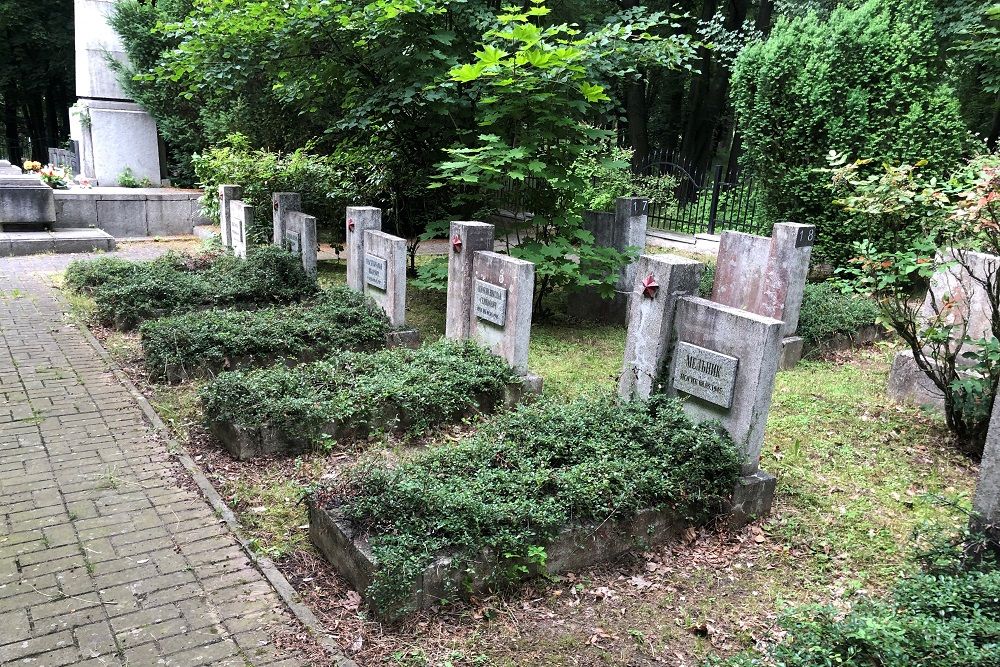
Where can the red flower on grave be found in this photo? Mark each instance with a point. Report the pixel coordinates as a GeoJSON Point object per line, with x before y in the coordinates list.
{"type": "Point", "coordinates": [456, 243]}
{"type": "Point", "coordinates": [649, 286]}
{"type": "Point", "coordinates": [350, 224]}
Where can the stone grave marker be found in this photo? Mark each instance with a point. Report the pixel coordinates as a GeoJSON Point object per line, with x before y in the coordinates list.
{"type": "Point", "coordinates": [60, 157]}
{"type": "Point", "coordinates": [7, 169]}
{"type": "Point", "coordinates": [227, 194]}
{"type": "Point", "coordinates": [465, 239]}
{"type": "Point", "coordinates": [360, 219]}
{"type": "Point", "coordinates": [986, 502]}
{"type": "Point", "coordinates": [659, 281]}
{"type": "Point", "coordinates": [968, 310]}
{"type": "Point", "coordinates": [623, 229]}
{"type": "Point", "coordinates": [384, 273]}
{"type": "Point", "coordinates": [26, 203]}
{"type": "Point", "coordinates": [240, 221]}
{"type": "Point", "coordinates": [500, 316]}
{"type": "Point", "coordinates": [295, 230]}
{"type": "Point", "coordinates": [767, 276]}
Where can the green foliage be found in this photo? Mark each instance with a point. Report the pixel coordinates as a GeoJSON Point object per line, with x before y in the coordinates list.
{"type": "Point", "coordinates": [945, 618]}
{"type": "Point", "coordinates": [127, 179]}
{"type": "Point", "coordinates": [828, 311]}
{"type": "Point", "coordinates": [358, 392]}
{"type": "Point", "coordinates": [809, 88]}
{"type": "Point", "coordinates": [125, 294]}
{"type": "Point", "coordinates": [606, 176]}
{"type": "Point", "coordinates": [209, 341]}
{"type": "Point", "coordinates": [507, 490]}
{"type": "Point", "coordinates": [86, 275]}
{"type": "Point", "coordinates": [327, 183]}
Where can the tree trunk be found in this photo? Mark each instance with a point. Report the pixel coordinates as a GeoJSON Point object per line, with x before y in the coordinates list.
{"type": "Point", "coordinates": [12, 133]}
{"type": "Point", "coordinates": [994, 135]}
{"type": "Point", "coordinates": [637, 116]}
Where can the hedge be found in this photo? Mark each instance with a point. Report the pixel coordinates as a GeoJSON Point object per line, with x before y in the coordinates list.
{"type": "Point", "coordinates": [510, 488]}
{"type": "Point", "coordinates": [127, 295]}
{"type": "Point", "coordinates": [398, 389]}
{"type": "Point", "coordinates": [828, 311]}
{"type": "Point", "coordinates": [200, 343]}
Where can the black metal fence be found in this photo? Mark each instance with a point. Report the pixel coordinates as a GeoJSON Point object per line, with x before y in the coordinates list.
{"type": "Point", "coordinates": [705, 202]}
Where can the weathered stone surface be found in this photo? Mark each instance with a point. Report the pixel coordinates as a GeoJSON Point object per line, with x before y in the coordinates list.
{"type": "Point", "coordinates": [283, 203]}
{"type": "Point", "coordinates": [240, 221]}
{"type": "Point", "coordinates": [25, 201]}
{"type": "Point", "coordinates": [705, 373]}
{"type": "Point", "coordinates": [765, 276]}
{"type": "Point", "coordinates": [908, 384]}
{"type": "Point", "coordinates": [516, 279]}
{"type": "Point", "coordinates": [359, 220]}
{"type": "Point", "coordinates": [294, 230]}
{"type": "Point", "coordinates": [465, 239]}
{"type": "Point", "coordinates": [114, 136]}
{"type": "Point", "coordinates": [131, 212]}
{"type": "Point", "coordinates": [388, 253]}
{"type": "Point", "coordinates": [227, 194]}
{"type": "Point", "coordinates": [752, 339]}
{"type": "Point", "coordinates": [124, 217]}
{"type": "Point", "coordinates": [651, 317]}
{"type": "Point", "coordinates": [7, 169]}
{"type": "Point", "coordinates": [986, 503]}
{"type": "Point", "coordinates": [791, 352]}
{"type": "Point", "coordinates": [621, 230]}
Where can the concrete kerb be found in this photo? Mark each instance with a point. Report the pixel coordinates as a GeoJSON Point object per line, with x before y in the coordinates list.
{"type": "Point", "coordinates": [277, 580]}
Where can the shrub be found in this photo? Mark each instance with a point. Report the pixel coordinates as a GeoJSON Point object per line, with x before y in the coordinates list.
{"type": "Point", "coordinates": [124, 296]}
{"type": "Point", "coordinates": [86, 275]}
{"type": "Point", "coordinates": [429, 386]}
{"type": "Point", "coordinates": [812, 87]}
{"type": "Point", "coordinates": [528, 474]}
{"type": "Point", "coordinates": [211, 340]}
{"type": "Point", "coordinates": [933, 619]}
{"type": "Point", "coordinates": [828, 311]}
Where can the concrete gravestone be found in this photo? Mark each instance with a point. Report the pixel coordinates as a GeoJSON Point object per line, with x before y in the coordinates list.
{"type": "Point", "coordinates": [384, 273]}
{"type": "Point", "coordinates": [227, 194]}
{"type": "Point", "coordinates": [500, 316]}
{"type": "Point", "coordinates": [295, 230]}
{"type": "Point", "coordinates": [986, 502]}
{"type": "Point", "coordinates": [359, 220]}
{"type": "Point", "coordinates": [7, 169]}
{"type": "Point", "coordinates": [767, 276]}
{"type": "Point", "coordinates": [956, 297]}
{"type": "Point", "coordinates": [621, 230]}
{"type": "Point", "coordinates": [466, 238]}
{"type": "Point", "coordinates": [240, 221]}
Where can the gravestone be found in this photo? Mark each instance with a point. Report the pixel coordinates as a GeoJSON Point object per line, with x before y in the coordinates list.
{"type": "Point", "coordinates": [60, 157]}
{"type": "Point", "coordinates": [227, 194]}
{"type": "Point", "coordinates": [623, 229]}
{"type": "Point", "coordinates": [359, 220]}
{"type": "Point", "coordinates": [767, 276]}
{"type": "Point", "coordinates": [26, 203]}
{"type": "Point", "coordinates": [968, 310]}
{"type": "Point", "coordinates": [724, 364]}
{"type": "Point", "coordinates": [659, 281]}
{"type": "Point", "coordinates": [500, 316]}
{"type": "Point", "coordinates": [384, 273]}
{"type": "Point", "coordinates": [294, 230]}
{"type": "Point", "coordinates": [986, 502]}
{"type": "Point", "coordinates": [465, 239]}
{"type": "Point", "coordinates": [7, 169]}
{"type": "Point", "coordinates": [240, 221]}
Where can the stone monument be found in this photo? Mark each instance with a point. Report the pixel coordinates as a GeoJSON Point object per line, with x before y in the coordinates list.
{"type": "Point", "coordinates": [359, 220]}
{"type": "Point", "coordinates": [113, 132]}
{"type": "Point", "coordinates": [621, 230]}
{"type": "Point", "coordinates": [385, 273]}
{"type": "Point", "coordinates": [227, 194]}
{"type": "Point", "coordinates": [767, 276]}
{"type": "Point", "coordinates": [294, 230]}
{"type": "Point", "coordinates": [502, 298]}
{"type": "Point", "coordinates": [26, 203]}
{"type": "Point", "coordinates": [240, 221]}
{"type": "Point", "coordinates": [465, 240]}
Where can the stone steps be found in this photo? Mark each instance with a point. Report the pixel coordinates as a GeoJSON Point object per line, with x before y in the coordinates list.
{"type": "Point", "coordinates": [17, 244]}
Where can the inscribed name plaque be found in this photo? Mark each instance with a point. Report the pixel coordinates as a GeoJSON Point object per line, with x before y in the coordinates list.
{"type": "Point", "coordinates": [376, 272]}
{"type": "Point", "coordinates": [491, 302]}
{"type": "Point", "coordinates": [294, 245]}
{"type": "Point", "coordinates": [706, 374]}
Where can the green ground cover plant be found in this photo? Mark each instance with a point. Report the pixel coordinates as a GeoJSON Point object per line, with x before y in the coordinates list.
{"type": "Point", "coordinates": [126, 295]}
{"type": "Point", "coordinates": [828, 311]}
{"type": "Point", "coordinates": [205, 342]}
{"type": "Point", "coordinates": [525, 475]}
{"type": "Point", "coordinates": [946, 615]}
{"type": "Point", "coordinates": [389, 390]}
{"type": "Point", "coordinates": [84, 276]}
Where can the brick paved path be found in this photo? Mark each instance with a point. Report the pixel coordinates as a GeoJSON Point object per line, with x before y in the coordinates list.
{"type": "Point", "coordinates": [104, 559]}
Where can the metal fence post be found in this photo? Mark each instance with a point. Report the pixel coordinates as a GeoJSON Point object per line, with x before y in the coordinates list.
{"type": "Point", "coordinates": [716, 188]}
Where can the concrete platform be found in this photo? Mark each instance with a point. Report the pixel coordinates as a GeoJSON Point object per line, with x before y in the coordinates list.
{"type": "Point", "coordinates": [131, 212]}
{"type": "Point", "coordinates": [18, 244]}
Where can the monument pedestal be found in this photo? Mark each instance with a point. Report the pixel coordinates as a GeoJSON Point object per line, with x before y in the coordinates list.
{"type": "Point", "coordinates": [752, 499]}
{"type": "Point", "coordinates": [113, 137]}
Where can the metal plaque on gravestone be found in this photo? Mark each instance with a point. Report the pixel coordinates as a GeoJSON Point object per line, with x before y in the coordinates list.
{"type": "Point", "coordinates": [293, 242]}
{"type": "Point", "coordinates": [806, 236]}
{"type": "Point", "coordinates": [491, 302]}
{"type": "Point", "coordinates": [704, 373]}
{"type": "Point", "coordinates": [376, 270]}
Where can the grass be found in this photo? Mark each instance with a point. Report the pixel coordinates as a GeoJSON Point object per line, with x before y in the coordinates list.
{"type": "Point", "coordinates": [857, 477]}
